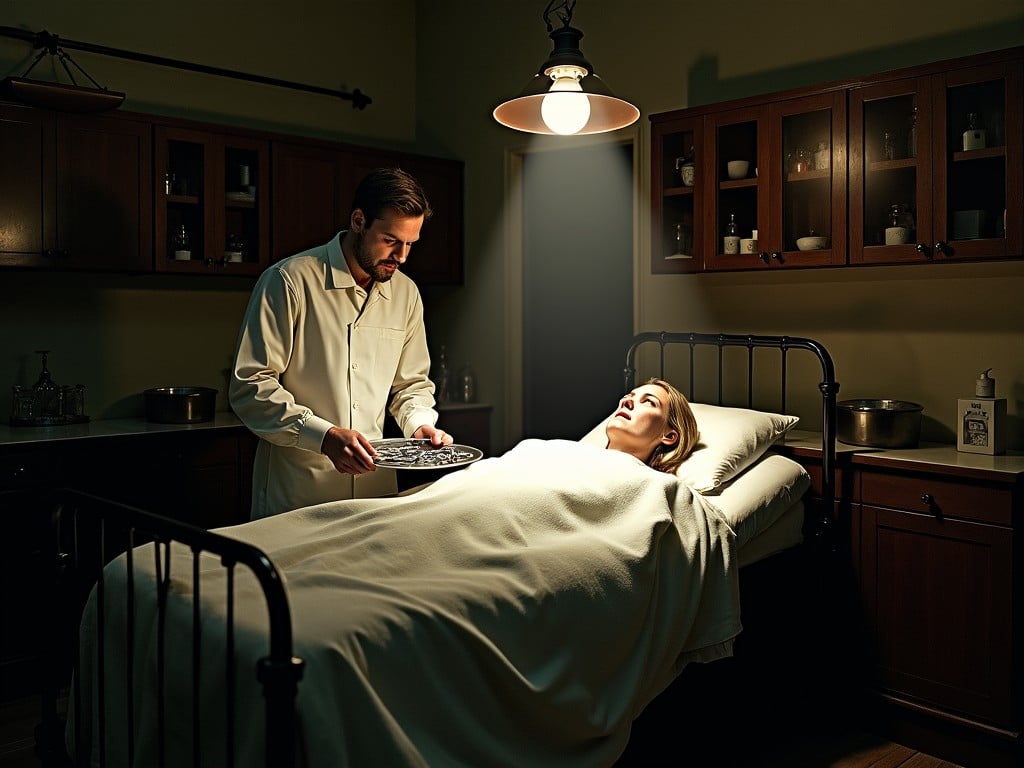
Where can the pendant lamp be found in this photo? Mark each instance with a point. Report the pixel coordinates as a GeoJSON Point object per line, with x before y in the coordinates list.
{"type": "Point", "coordinates": [565, 97]}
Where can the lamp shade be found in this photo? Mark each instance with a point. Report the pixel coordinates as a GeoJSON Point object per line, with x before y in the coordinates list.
{"type": "Point", "coordinates": [607, 113]}
{"type": "Point", "coordinates": [565, 97]}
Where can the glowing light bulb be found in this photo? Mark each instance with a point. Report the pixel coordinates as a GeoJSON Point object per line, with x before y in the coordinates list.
{"type": "Point", "coordinates": [565, 109]}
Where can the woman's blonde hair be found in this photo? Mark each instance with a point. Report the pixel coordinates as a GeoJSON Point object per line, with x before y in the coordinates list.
{"type": "Point", "coordinates": [667, 458]}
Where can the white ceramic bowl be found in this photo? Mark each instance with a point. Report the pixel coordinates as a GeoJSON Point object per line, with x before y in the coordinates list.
{"type": "Point", "coordinates": [812, 243]}
{"type": "Point", "coordinates": [738, 169]}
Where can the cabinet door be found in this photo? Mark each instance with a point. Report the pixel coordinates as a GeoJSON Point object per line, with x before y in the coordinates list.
{"type": "Point", "coordinates": [677, 205]}
{"type": "Point", "coordinates": [104, 193]}
{"type": "Point", "coordinates": [739, 194]}
{"type": "Point", "coordinates": [28, 226]}
{"type": "Point", "coordinates": [437, 259]}
{"type": "Point", "coordinates": [938, 600]}
{"type": "Point", "coordinates": [807, 177]}
{"type": "Point", "coordinates": [242, 214]}
{"type": "Point", "coordinates": [213, 188]}
{"type": "Point", "coordinates": [978, 176]}
{"type": "Point", "coordinates": [309, 202]}
{"type": "Point", "coordinates": [886, 171]}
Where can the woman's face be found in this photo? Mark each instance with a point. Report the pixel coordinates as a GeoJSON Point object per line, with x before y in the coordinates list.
{"type": "Point", "coordinates": [640, 423]}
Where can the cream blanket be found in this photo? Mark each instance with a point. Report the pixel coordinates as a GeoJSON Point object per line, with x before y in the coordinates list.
{"type": "Point", "coordinates": [519, 612]}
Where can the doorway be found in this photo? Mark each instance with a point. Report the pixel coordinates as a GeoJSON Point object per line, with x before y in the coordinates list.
{"type": "Point", "coordinates": [577, 240]}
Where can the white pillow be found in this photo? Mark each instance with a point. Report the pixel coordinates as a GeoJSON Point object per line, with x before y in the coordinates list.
{"type": "Point", "coordinates": [731, 439]}
{"type": "Point", "coordinates": [757, 496]}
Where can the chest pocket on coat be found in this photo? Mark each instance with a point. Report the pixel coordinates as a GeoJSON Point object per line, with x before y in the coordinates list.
{"type": "Point", "coordinates": [378, 350]}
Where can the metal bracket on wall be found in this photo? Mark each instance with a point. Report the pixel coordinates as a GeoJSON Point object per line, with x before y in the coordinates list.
{"type": "Point", "coordinates": [53, 45]}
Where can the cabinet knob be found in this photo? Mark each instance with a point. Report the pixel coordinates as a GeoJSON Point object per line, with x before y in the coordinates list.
{"type": "Point", "coordinates": [923, 248]}
{"type": "Point", "coordinates": [764, 256]}
{"type": "Point", "coordinates": [777, 255]}
{"type": "Point", "coordinates": [943, 247]}
{"type": "Point", "coordinates": [926, 498]}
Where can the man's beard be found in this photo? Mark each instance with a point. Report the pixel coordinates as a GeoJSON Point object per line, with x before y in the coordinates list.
{"type": "Point", "coordinates": [365, 260]}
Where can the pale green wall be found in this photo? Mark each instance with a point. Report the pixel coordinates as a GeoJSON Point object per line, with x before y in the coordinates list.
{"type": "Point", "coordinates": [436, 69]}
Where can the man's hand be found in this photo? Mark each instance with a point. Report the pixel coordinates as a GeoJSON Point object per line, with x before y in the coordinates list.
{"type": "Point", "coordinates": [437, 436]}
{"type": "Point", "coordinates": [349, 451]}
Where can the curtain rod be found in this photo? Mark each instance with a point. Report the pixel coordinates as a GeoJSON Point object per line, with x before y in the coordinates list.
{"type": "Point", "coordinates": [53, 43]}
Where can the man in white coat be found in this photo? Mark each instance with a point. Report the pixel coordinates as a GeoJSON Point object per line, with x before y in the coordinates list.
{"type": "Point", "coordinates": [331, 338]}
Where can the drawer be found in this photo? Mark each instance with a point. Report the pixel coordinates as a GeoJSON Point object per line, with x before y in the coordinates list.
{"type": "Point", "coordinates": [933, 495]}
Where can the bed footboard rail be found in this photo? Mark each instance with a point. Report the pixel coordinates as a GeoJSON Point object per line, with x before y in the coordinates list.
{"type": "Point", "coordinates": [827, 386]}
{"type": "Point", "coordinates": [87, 533]}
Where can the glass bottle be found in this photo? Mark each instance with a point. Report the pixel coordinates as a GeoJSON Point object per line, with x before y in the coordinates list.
{"type": "Point", "coordinates": [731, 241]}
{"type": "Point", "coordinates": [912, 134]}
{"type": "Point", "coordinates": [181, 244]}
{"type": "Point", "coordinates": [467, 384]}
{"type": "Point", "coordinates": [683, 238]}
{"type": "Point", "coordinates": [45, 390]}
{"type": "Point", "coordinates": [888, 145]}
{"type": "Point", "coordinates": [442, 378]}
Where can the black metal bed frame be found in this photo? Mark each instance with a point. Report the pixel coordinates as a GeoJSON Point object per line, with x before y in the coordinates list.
{"type": "Point", "coordinates": [85, 531]}
{"type": "Point", "coordinates": [828, 386]}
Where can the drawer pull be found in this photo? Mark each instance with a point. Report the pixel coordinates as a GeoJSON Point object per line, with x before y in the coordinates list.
{"type": "Point", "coordinates": [926, 498]}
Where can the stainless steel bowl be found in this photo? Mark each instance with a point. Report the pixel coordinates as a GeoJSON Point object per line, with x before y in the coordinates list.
{"type": "Point", "coordinates": [180, 405]}
{"type": "Point", "coordinates": [879, 423]}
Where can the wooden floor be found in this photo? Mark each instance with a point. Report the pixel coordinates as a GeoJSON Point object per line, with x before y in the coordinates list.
{"type": "Point", "coordinates": [853, 749]}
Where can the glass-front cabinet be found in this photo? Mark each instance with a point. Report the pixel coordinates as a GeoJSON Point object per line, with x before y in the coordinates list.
{"type": "Point", "coordinates": [676, 202]}
{"type": "Point", "coordinates": [935, 167]}
{"type": "Point", "coordinates": [737, 190]}
{"type": "Point", "coordinates": [910, 166]}
{"type": "Point", "coordinates": [212, 211]}
{"type": "Point", "coordinates": [807, 225]}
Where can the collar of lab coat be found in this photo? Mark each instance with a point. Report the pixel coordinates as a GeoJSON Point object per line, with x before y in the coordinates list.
{"type": "Point", "coordinates": [340, 275]}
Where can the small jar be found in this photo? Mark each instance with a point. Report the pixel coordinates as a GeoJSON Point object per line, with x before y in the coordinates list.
{"type": "Point", "coordinates": [235, 251]}
{"type": "Point", "coordinates": [821, 157]}
{"type": "Point", "coordinates": [181, 244]}
{"type": "Point", "coordinates": [687, 168]}
{"type": "Point", "coordinates": [974, 136]}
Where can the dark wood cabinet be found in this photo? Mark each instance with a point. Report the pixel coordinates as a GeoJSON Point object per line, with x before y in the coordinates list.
{"type": "Point", "coordinates": [112, 192]}
{"type": "Point", "coordinates": [940, 595]}
{"type": "Point", "coordinates": [876, 167]}
{"type": "Point", "coordinates": [215, 188]}
{"type": "Point", "coordinates": [76, 192]}
{"type": "Point", "coordinates": [961, 197]}
{"type": "Point", "coordinates": [313, 186]}
{"type": "Point", "coordinates": [310, 199]}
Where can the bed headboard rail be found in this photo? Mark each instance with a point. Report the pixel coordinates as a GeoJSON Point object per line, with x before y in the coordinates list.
{"type": "Point", "coordinates": [827, 386]}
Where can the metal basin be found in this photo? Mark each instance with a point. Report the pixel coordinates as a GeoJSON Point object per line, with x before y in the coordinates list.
{"type": "Point", "coordinates": [879, 423]}
{"type": "Point", "coordinates": [180, 405]}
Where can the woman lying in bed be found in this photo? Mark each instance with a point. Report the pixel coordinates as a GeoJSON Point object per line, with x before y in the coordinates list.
{"type": "Point", "coordinates": [520, 611]}
{"type": "Point", "coordinates": [655, 424]}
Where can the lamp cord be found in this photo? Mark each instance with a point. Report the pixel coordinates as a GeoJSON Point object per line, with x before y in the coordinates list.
{"type": "Point", "coordinates": [560, 8]}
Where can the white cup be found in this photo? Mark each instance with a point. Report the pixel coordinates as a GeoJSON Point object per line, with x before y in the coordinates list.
{"type": "Point", "coordinates": [748, 245]}
{"type": "Point", "coordinates": [897, 235]}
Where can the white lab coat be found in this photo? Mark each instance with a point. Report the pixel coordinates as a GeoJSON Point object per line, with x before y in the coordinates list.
{"type": "Point", "coordinates": [314, 351]}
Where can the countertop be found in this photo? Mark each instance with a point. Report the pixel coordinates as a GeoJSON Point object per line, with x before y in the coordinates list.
{"type": "Point", "coordinates": [927, 456]}
{"type": "Point", "coordinates": [14, 436]}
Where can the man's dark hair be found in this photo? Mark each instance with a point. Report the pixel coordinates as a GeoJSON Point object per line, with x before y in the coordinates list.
{"type": "Point", "coordinates": [390, 188]}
